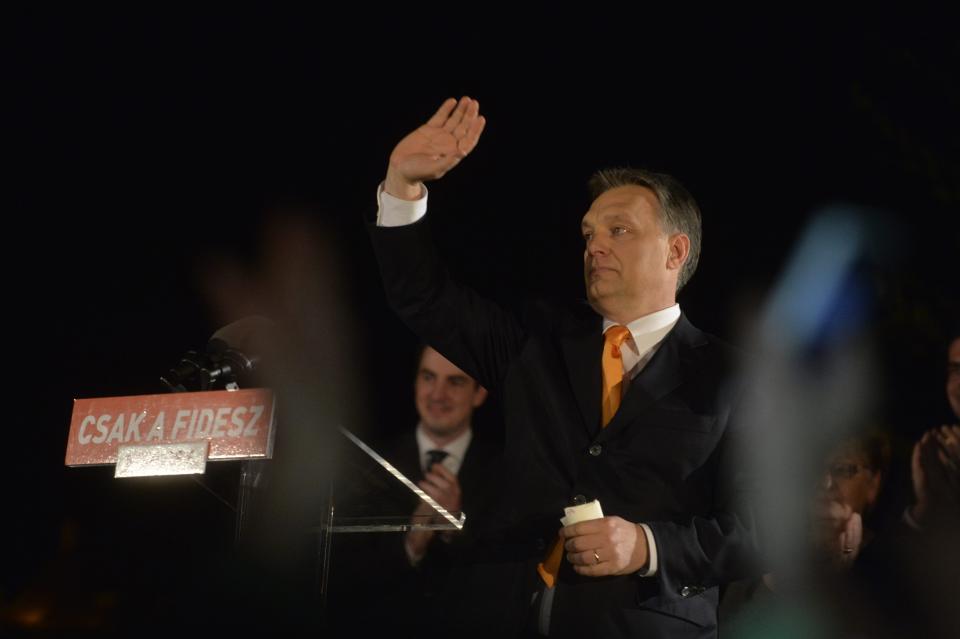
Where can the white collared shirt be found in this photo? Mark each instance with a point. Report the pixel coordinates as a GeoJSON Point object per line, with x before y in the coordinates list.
{"type": "Point", "coordinates": [455, 450]}
{"type": "Point", "coordinates": [646, 334]}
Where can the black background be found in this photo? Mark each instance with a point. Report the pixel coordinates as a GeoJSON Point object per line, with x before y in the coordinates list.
{"type": "Point", "coordinates": [142, 148]}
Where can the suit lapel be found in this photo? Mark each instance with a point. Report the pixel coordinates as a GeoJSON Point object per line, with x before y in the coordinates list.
{"type": "Point", "coordinates": [662, 374]}
{"type": "Point", "coordinates": [582, 349]}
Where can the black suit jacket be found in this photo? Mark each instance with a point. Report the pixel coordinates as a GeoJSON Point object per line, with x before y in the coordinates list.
{"type": "Point", "coordinates": [667, 459]}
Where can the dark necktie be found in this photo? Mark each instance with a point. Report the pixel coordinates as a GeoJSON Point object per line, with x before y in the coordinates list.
{"type": "Point", "coordinates": [435, 457]}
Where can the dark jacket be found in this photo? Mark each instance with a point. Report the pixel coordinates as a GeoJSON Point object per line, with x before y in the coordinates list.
{"type": "Point", "coordinates": [668, 459]}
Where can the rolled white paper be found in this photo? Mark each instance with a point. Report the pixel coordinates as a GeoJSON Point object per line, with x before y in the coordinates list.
{"type": "Point", "coordinates": [583, 512]}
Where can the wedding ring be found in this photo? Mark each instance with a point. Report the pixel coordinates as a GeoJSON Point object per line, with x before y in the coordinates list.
{"type": "Point", "coordinates": [596, 556]}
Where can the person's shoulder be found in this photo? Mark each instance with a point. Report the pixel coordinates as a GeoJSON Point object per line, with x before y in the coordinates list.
{"type": "Point", "coordinates": [689, 333]}
{"type": "Point", "coordinates": [712, 351]}
{"type": "Point", "coordinates": [725, 349]}
{"type": "Point", "coordinates": [559, 316]}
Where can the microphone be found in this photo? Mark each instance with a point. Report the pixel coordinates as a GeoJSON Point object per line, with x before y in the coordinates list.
{"type": "Point", "coordinates": [191, 365]}
{"type": "Point", "coordinates": [236, 349]}
{"type": "Point", "coordinates": [232, 352]}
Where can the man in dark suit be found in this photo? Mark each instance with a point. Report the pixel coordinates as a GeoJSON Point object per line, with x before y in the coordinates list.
{"type": "Point", "coordinates": [397, 586]}
{"type": "Point", "coordinates": [445, 456]}
{"type": "Point", "coordinates": [621, 400]}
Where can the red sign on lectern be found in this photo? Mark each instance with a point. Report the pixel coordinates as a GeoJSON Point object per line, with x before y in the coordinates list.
{"type": "Point", "coordinates": [236, 424]}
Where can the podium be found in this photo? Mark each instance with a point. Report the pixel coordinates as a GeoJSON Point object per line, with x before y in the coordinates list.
{"type": "Point", "coordinates": [176, 434]}
{"type": "Point", "coordinates": [179, 433]}
{"type": "Point", "coordinates": [377, 498]}
{"type": "Point", "coordinates": [171, 434]}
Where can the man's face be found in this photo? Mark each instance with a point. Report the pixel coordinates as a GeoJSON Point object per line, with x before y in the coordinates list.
{"type": "Point", "coordinates": [445, 396]}
{"type": "Point", "coordinates": [849, 480]}
{"type": "Point", "coordinates": [628, 266]}
{"type": "Point", "coordinates": [953, 376]}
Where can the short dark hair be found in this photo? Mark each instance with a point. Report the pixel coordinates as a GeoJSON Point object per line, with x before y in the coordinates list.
{"type": "Point", "coordinates": [421, 348]}
{"type": "Point", "coordinates": [678, 210]}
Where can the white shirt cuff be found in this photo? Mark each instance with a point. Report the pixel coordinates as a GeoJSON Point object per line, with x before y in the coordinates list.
{"type": "Point", "coordinates": [651, 553]}
{"type": "Point", "coordinates": [392, 211]}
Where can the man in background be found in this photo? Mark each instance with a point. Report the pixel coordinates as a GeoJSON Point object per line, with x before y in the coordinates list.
{"type": "Point", "coordinates": [392, 582]}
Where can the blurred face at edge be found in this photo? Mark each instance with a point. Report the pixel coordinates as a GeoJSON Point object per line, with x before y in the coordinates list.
{"type": "Point", "coordinates": [953, 376]}
{"type": "Point", "coordinates": [850, 479]}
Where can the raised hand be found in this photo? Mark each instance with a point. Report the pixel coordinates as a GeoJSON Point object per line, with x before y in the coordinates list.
{"type": "Point", "coordinates": [434, 148]}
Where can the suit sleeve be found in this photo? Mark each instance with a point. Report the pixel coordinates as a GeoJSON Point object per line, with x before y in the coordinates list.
{"type": "Point", "coordinates": [720, 546]}
{"type": "Point", "coordinates": [472, 332]}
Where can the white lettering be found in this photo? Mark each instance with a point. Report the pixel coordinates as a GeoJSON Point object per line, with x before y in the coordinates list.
{"type": "Point", "coordinates": [237, 420]}
{"type": "Point", "coordinates": [220, 422]}
{"type": "Point", "coordinates": [251, 430]}
{"type": "Point", "coordinates": [205, 423]}
{"type": "Point", "coordinates": [156, 431]}
{"type": "Point", "coordinates": [179, 423]}
{"type": "Point", "coordinates": [82, 436]}
{"type": "Point", "coordinates": [102, 428]}
{"type": "Point", "coordinates": [116, 433]}
{"type": "Point", "coordinates": [133, 429]}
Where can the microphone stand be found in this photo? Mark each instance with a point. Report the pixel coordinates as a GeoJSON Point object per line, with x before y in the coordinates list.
{"type": "Point", "coordinates": [199, 369]}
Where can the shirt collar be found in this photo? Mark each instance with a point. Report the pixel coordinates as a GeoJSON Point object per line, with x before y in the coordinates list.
{"type": "Point", "coordinates": [647, 332]}
{"type": "Point", "coordinates": [649, 324]}
{"type": "Point", "coordinates": [456, 449]}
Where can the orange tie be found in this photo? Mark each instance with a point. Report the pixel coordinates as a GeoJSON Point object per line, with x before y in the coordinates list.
{"type": "Point", "coordinates": [612, 367]}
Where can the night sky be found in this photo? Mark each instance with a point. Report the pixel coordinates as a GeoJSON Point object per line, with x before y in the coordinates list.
{"type": "Point", "coordinates": [148, 151]}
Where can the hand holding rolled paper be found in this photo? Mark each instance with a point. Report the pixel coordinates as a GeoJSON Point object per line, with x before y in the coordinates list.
{"type": "Point", "coordinates": [598, 546]}
{"type": "Point", "coordinates": [581, 512]}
